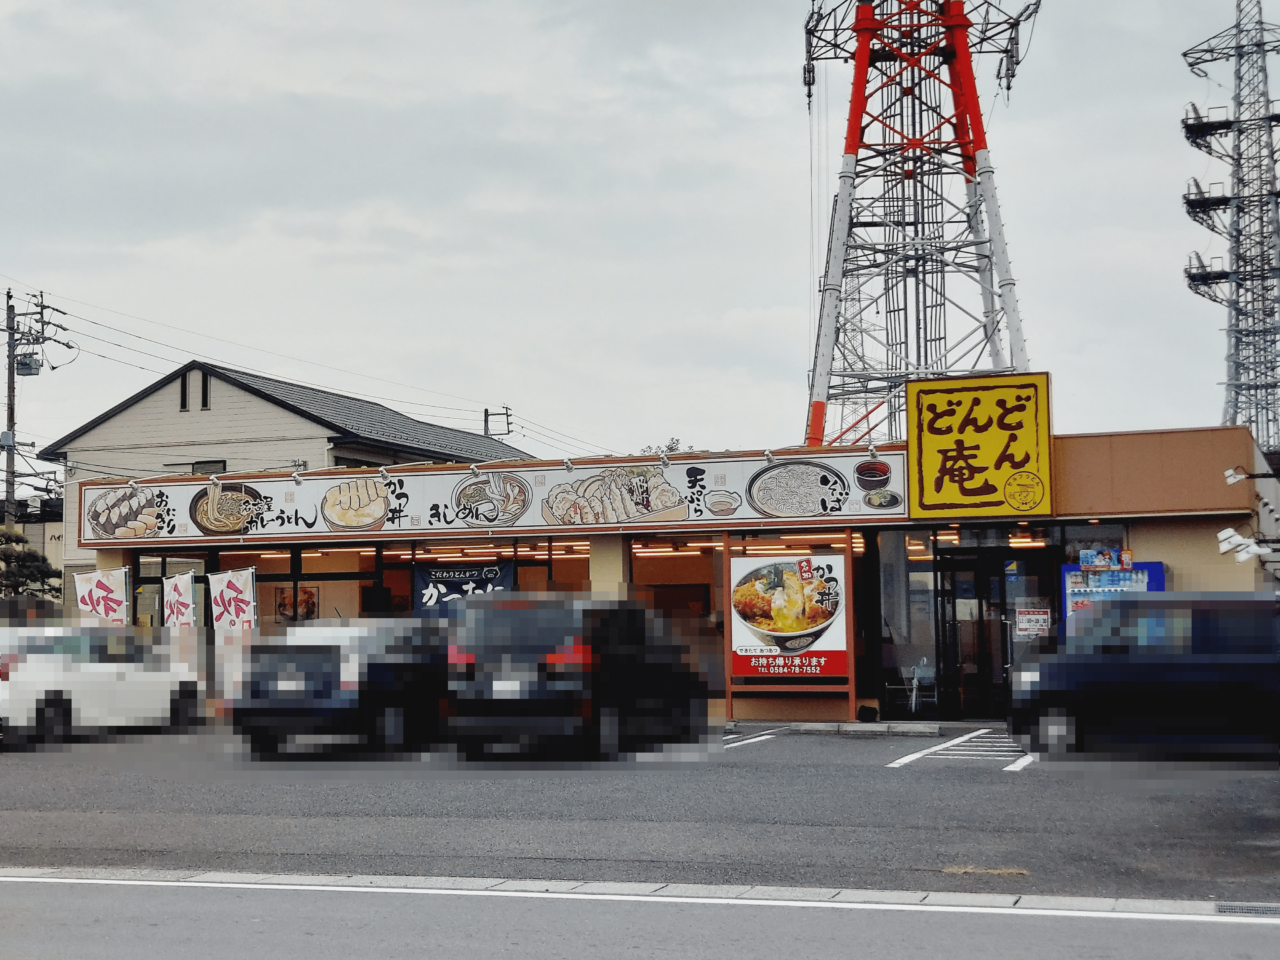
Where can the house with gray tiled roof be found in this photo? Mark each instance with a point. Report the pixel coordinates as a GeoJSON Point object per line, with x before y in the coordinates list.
{"type": "Point", "coordinates": [217, 418]}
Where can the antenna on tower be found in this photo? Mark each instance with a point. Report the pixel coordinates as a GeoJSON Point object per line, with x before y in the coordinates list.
{"type": "Point", "coordinates": [1244, 213]}
{"type": "Point", "coordinates": [917, 281]}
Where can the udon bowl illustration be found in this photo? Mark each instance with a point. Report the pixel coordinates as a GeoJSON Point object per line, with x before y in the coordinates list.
{"type": "Point", "coordinates": [789, 620]}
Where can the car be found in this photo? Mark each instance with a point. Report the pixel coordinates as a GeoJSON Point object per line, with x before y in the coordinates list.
{"type": "Point", "coordinates": [381, 681]}
{"type": "Point", "coordinates": [1155, 677]}
{"type": "Point", "coordinates": [569, 677]}
{"type": "Point", "coordinates": [65, 680]}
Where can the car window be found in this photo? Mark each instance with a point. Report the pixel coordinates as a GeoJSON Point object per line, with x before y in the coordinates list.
{"type": "Point", "coordinates": [116, 648]}
{"type": "Point", "coordinates": [1128, 629]}
{"type": "Point", "coordinates": [75, 645]}
{"type": "Point", "coordinates": [1235, 632]}
{"type": "Point", "coordinates": [1224, 627]}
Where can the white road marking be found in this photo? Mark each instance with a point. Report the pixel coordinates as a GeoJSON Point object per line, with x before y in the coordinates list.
{"type": "Point", "coordinates": [987, 746]}
{"type": "Point", "coordinates": [743, 743]}
{"type": "Point", "coordinates": [903, 761]}
{"type": "Point", "coordinates": [1024, 762]}
{"type": "Point", "coordinates": [658, 898]}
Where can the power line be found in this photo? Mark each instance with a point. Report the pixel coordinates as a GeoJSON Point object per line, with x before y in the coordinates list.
{"type": "Point", "coordinates": [476, 418]}
{"type": "Point", "coordinates": [274, 353]}
{"type": "Point", "coordinates": [156, 356]}
{"type": "Point", "coordinates": [205, 356]}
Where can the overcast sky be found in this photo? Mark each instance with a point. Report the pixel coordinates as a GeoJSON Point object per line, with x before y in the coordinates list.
{"type": "Point", "coordinates": [595, 212]}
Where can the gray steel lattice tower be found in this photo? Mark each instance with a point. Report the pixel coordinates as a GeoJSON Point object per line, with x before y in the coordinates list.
{"type": "Point", "coordinates": [1246, 216]}
{"type": "Point", "coordinates": [917, 281]}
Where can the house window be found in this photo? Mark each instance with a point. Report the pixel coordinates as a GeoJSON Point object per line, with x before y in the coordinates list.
{"type": "Point", "coordinates": [204, 390]}
{"type": "Point", "coordinates": [183, 404]}
{"type": "Point", "coordinates": [209, 466]}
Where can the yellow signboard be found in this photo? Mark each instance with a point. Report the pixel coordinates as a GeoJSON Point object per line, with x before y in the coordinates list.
{"type": "Point", "coordinates": [979, 446]}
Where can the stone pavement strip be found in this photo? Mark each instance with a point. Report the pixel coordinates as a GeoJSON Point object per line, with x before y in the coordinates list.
{"type": "Point", "coordinates": [598, 888]}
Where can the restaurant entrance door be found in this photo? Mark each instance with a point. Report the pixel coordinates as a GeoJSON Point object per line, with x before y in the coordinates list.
{"type": "Point", "coordinates": [979, 593]}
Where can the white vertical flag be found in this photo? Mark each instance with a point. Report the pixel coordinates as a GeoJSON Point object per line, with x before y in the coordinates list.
{"type": "Point", "coordinates": [179, 600]}
{"type": "Point", "coordinates": [233, 596]}
{"type": "Point", "coordinates": [235, 607]}
{"type": "Point", "coordinates": [105, 593]}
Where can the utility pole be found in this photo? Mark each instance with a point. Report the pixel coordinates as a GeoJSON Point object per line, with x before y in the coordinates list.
{"type": "Point", "coordinates": [506, 412]}
{"type": "Point", "coordinates": [21, 365]}
{"type": "Point", "coordinates": [11, 325]}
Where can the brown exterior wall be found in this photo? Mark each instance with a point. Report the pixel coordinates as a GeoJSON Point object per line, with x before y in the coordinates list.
{"type": "Point", "coordinates": [1189, 549]}
{"type": "Point", "coordinates": [1160, 471]}
{"type": "Point", "coordinates": [791, 709]}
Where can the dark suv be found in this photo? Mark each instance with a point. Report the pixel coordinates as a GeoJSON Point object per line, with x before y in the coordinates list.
{"type": "Point", "coordinates": [572, 678]}
{"type": "Point", "coordinates": [382, 681]}
{"type": "Point", "coordinates": [1156, 676]}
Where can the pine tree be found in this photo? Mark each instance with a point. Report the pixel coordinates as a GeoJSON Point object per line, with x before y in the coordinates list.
{"type": "Point", "coordinates": [24, 571]}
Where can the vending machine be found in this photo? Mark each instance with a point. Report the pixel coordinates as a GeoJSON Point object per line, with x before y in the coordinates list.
{"type": "Point", "coordinates": [1101, 574]}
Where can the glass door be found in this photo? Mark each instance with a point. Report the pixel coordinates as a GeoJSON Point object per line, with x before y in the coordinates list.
{"type": "Point", "coordinates": [972, 675]}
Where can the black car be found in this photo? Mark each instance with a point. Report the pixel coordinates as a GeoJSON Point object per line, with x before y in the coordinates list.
{"type": "Point", "coordinates": [570, 678]}
{"type": "Point", "coordinates": [381, 681]}
{"type": "Point", "coordinates": [1155, 677]}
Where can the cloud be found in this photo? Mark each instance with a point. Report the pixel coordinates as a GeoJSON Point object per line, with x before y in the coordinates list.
{"type": "Point", "coordinates": [598, 213]}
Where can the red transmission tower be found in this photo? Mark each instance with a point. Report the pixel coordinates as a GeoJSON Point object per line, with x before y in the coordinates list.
{"type": "Point", "coordinates": [917, 281]}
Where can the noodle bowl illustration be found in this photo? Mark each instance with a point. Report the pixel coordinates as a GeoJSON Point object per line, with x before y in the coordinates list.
{"type": "Point", "coordinates": [224, 510]}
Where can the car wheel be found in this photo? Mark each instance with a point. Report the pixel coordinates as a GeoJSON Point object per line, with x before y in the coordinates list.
{"type": "Point", "coordinates": [1057, 733]}
{"type": "Point", "coordinates": [184, 709]}
{"type": "Point", "coordinates": [608, 733]}
{"type": "Point", "coordinates": [264, 744]}
{"type": "Point", "coordinates": [387, 728]}
{"type": "Point", "coordinates": [53, 721]}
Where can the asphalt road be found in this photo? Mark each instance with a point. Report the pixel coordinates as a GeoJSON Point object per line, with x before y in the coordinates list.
{"type": "Point", "coordinates": [132, 922]}
{"type": "Point", "coordinates": [799, 810]}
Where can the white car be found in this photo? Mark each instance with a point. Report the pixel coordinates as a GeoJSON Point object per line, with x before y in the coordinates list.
{"type": "Point", "coordinates": [60, 681]}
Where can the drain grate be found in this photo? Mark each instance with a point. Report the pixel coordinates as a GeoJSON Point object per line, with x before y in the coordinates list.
{"type": "Point", "coordinates": [1251, 909]}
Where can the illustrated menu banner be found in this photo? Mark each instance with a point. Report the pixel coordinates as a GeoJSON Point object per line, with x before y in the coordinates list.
{"type": "Point", "coordinates": [980, 446]}
{"type": "Point", "coordinates": [854, 487]}
{"type": "Point", "coordinates": [434, 585]}
{"type": "Point", "coordinates": [105, 594]}
{"type": "Point", "coordinates": [788, 616]}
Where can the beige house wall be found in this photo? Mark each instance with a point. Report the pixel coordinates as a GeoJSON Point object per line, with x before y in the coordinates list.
{"type": "Point", "coordinates": [154, 437]}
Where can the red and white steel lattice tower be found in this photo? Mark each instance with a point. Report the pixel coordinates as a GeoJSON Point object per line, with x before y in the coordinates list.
{"type": "Point", "coordinates": [917, 281]}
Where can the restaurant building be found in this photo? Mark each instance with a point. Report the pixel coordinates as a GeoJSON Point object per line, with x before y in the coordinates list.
{"type": "Point", "coordinates": [902, 577]}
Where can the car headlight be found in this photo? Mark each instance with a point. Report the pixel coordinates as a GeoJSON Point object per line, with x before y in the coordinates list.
{"type": "Point", "coordinates": [1025, 679]}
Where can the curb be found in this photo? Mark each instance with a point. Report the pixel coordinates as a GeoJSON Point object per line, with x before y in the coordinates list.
{"type": "Point", "coordinates": [587, 889]}
{"type": "Point", "coordinates": [897, 728]}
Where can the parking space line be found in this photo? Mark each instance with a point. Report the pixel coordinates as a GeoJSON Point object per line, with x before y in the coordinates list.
{"type": "Point", "coordinates": [1020, 763]}
{"type": "Point", "coordinates": [903, 761]}
{"type": "Point", "coordinates": [743, 743]}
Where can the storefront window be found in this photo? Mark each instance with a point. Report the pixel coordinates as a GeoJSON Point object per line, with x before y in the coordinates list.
{"type": "Point", "coordinates": [1092, 536]}
{"type": "Point", "coordinates": [263, 561]}
{"type": "Point", "coordinates": [338, 559]}
{"type": "Point", "coordinates": [906, 599]}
